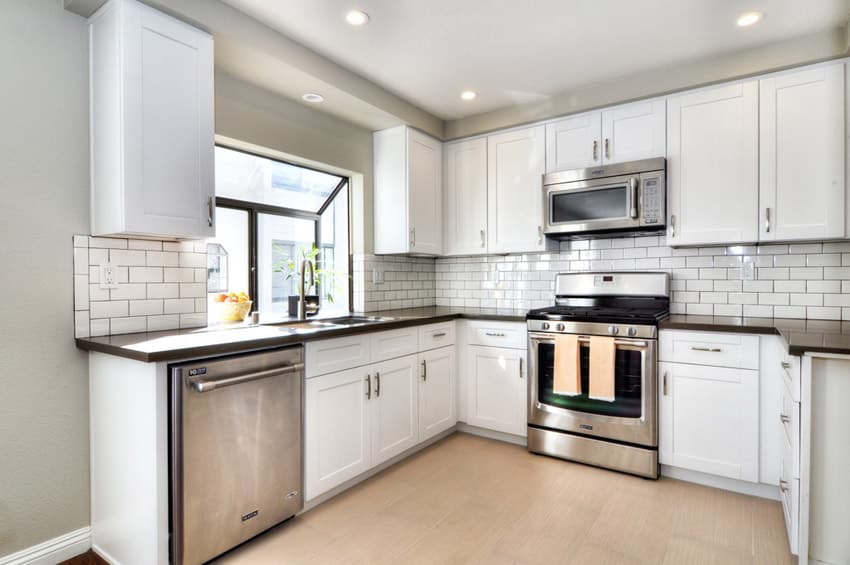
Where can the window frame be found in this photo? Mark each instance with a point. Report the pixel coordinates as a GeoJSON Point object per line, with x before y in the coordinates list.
{"type": "Point", "coordinates": [254, 209]}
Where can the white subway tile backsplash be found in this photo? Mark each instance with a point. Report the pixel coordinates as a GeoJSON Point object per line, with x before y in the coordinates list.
{"type": "Point", "coordinates": [194, 260]}
{"type": "Point", "coordinates": [148, 276]}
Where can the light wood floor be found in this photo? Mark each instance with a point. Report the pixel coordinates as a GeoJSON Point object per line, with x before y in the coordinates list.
{"type": "Point", "coordinates": [471, 500]}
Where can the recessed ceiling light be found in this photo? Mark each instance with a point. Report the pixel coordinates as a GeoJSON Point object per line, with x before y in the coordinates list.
{"type": "Point", "coordinates": [749, 18]}
{"type": "Point", "coordinates": [468, 95]}
{"type": "Point", "coordinates": [313, 97]}
{"type": "Point", "coordinates": [357, 18]}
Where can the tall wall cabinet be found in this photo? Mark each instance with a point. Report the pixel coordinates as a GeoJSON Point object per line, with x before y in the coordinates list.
{"type": "Point", "coordinates": [152, 124]}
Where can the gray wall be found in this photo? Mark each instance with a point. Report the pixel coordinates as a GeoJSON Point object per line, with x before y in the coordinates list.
{"type": "Point", "coordinates": [44, 181]}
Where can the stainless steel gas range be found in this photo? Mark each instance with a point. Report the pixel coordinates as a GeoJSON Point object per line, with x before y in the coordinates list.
{"type": "Point", "coordinates": [619, 433]}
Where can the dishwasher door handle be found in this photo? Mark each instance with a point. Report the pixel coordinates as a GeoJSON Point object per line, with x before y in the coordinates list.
{"type": "Point", "coordinates": [206, 385]}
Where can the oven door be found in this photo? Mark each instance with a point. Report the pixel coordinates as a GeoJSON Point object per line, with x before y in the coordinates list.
{"type": "Point", "coordinates": [630, 418]}
{"type": "Point", "coordinates": [591, 205]}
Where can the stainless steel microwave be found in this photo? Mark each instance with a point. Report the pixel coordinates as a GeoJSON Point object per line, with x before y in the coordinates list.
{"type": "Point", "coordinates": [623, 197]}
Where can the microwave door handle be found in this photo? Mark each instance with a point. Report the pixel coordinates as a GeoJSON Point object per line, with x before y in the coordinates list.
{"type": "Point", "coordinates": [633, 197]}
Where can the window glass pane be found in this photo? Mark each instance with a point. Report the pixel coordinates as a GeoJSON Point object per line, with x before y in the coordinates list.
{"type": "Point", "coordinates": [281, 239]}
{"type": "Point", "coordinates": [333, 259]}
{"type": "Point", "coordinates": [227, 255]}
{"type": "Point", "coordinates": [257, 179]}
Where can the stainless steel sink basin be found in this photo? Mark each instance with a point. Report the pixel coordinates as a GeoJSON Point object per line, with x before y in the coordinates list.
{"type": "Point", "coordinates": [330, 323]}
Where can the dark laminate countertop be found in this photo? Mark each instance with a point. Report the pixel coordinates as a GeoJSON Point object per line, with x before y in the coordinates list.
{"type": "Point", "coordinates": [801, 336]}
{"type": "Point", "coordinates": [221, 340]}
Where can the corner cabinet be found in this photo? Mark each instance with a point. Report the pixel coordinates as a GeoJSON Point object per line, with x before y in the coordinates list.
{"type": "Point", "coordinates": [515, 167]}
{"type": "Point", "coordinates": [801, 154]}
{"type": "Point", "coordinates": [712, 166]}
{"type": "Point", "coordinates": [465, 205]}
{"type": "Point", "coordinates": [152, 124]}
{"type": "Point", "coordinates": [408, 192]}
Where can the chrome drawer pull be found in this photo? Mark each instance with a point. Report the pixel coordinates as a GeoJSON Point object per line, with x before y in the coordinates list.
{"type": "Point", "coordinates": [424, 371]}
{"type": "Point", "coordinates": [784, 419]}
{"type": "Point", "coordinates": [665, 383]}
{"type": "Point", "coordinates": [377, 385]}
{"type": "Point", "coordinates": [708, 349]}
{"type": "Point", "coordinates": [520, 367]}
{"type": "Point", "coordinates": [368, 387]}
{"type": "Point", "coordinates": [786, 365]}
{"type": "Point", "coordinates": [441, 334]}
{"type": "Point", "coordinates": [494, 334]}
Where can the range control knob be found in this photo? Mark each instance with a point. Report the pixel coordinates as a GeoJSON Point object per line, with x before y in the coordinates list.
{"type": "Point", "coordinates": [632, 331]}
{"type": "Point", "coordinates": [560, 327]}
{"type": "Point", "coordinates": [613, 330]}
{"type": "Point", "coordinates": [545, 325]}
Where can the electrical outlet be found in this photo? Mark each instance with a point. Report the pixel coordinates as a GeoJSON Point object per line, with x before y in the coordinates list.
{"type": "Point", "coordinates": [377, 276]}
{"type": "Point", "coordinates": [108, 276]}
{"type": "Point", "coordinates": [748, 269]}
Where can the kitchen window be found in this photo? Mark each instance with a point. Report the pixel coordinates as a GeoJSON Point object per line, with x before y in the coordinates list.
{"type": "Point", "coordinates": [268, 213]}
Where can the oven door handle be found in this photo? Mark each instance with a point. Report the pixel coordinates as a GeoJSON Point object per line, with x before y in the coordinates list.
{"type": "Point", "coordinates": [540, 338]}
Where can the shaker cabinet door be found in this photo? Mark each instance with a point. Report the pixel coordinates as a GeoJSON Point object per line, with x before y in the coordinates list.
{"type": "Point", "coordinates": [437, 392]}
{"type": "Point", "coordinates": [465, 205]}
{"type": "Point", "coordinates": [497, 391]}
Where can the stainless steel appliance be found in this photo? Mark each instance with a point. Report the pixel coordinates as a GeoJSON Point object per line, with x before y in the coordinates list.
{"type": "Point", "coordinates": [600, 200]}
{"type": "Point", "coordinates": [621, 434]}
{"type": "Point", "coordinates": [236, 450]}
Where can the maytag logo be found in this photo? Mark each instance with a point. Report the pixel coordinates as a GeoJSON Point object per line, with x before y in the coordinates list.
{"type": "Point", "coordinates": [585, 426]}
{"type": "Point", "coordinates": [250, 515]}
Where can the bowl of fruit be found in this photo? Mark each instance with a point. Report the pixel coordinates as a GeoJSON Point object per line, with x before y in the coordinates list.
{"type": "Point", "coordinates": [233, 306]}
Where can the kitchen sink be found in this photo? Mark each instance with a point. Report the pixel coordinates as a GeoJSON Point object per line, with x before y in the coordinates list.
{"type": "Point", "coordinates": [331, 323]}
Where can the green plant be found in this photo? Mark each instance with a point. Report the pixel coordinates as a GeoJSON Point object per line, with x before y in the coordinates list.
{"type": "Point", "coordinates": [290, 267]}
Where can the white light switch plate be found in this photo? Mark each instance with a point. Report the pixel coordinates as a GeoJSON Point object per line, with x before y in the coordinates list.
{"type": "Point", "coordinates": [377, 276]}
{"type": "Point", "coordinates": [748, 269]}
{"type": "Point", "coordinates": [108, 276]}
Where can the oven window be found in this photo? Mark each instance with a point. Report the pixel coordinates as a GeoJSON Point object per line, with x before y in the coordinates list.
{"type": "Point", "coordinates": [596, 204]}
{"type": "Point", "coordinates": [627, 385]}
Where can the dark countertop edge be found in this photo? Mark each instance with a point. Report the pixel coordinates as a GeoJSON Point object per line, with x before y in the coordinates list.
{"type": "Point", "coordinates": [233, 348]}
{"type": "Point", "coordinates": [669, 324]}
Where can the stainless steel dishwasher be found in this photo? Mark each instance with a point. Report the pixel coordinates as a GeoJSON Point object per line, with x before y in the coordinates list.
{"type": "Point", "coordinates": [236, 450]}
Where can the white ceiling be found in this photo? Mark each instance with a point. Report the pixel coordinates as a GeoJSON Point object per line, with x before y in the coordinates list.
{"type": "Point", "coordinates": [511, 52]}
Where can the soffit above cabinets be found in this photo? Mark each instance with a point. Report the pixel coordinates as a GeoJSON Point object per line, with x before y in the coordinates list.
{"type": "Point", "coordinates": [514, 54]}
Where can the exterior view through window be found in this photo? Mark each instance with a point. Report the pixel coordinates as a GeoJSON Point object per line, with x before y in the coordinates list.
{"type": "Point", "coordinates": [270, 215]}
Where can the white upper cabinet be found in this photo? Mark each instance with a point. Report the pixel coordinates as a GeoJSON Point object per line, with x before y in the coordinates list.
{"type": "Point", "coordinates": [712, 166]}
{"type": "Point", "coordinates": [802, 154]}
{"type": "Point", "coordinates": [515, 165]}
{"type": "Point", "coordinates": [574, 142]}
{"type": "Point", "coordinates": [615, 135]}
{"type": "Point", "coordinates": [465, 205]}
{"type": "Point", "coordinates": [152, 124]}
{"type": "Point", "coordinates": [408, 192]}
{"type": "Point", "coordinates": [634, 131]}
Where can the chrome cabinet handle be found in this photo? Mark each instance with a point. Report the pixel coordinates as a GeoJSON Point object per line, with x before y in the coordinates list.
{"type": "Point", "coordinates": [607, 149]}
{"type": "Point", "coordinates": [440, 334]}
{"type": "Point", "coordinates": [210, 207]}
{"type": "Point", "coordinates": [786, 365]}
{"type": "Point", "coordinates": [483, 240]}
{"type": "Point", "coordinates": [494, 334]}
{"type": "Point", "coordinates": [368, 387]}
{"type": "Point", "coordinates": [784, 419]}
{"type": "Point", "coordinates": [595, 149]}
{"type": "Point", "coordinates": [783, 485]}
{"type": "Point", "coordinates": [707, 349]}
{"type": "Point", "coordinates": [767, 220]}
{"type": "Point", "coordinates": [412, 237]}
{"type": "Point", "coordinates": [673, 226]}
{"type": "Point", "coordinates": [633, 185]}
{"type": "Point", "coordinates": [664, 384]}
{"type": "Point", "coordinates": [377, 385]}
{"type": "Point", "coordinates": [520, 367]}
{"type": "Point", "coordinates": [539, 234]}
{"type": "Point", "coordinates": [424, 370]}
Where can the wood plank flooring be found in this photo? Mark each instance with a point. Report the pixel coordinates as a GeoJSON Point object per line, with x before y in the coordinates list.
{"type": "Point", "coordinates": [472, 500]}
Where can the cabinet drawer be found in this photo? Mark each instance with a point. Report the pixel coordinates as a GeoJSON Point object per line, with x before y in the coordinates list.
{"type": "Point", "coordinates": [436, 335]}
{"type": "Point", "coordinates": [394, 343]}
{"type": "Point", "coordinates": [789, 415]}
{"type": "Point", "coordinates": [497, 334]}
{"type": "Point", "coordinates": [714, 349]}
{"type": "Point", "coordinates": [328, 356]}
{"type": "Point", "coordinates": [791, 375]}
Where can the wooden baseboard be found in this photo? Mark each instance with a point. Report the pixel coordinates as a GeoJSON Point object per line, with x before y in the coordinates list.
{"type": "Point", "coordinates": [52, 551]}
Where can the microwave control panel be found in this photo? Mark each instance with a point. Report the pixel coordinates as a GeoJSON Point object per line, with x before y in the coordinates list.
{"type": "Point", "coordinates": [652, 204]}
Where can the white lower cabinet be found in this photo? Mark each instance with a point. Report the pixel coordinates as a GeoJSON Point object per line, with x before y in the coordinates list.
{"type": "Point", "coordinates": [336, 429]}
{"type": "Point", "coordinates": [497, 389]}
{"type": "Point", "coordinates": [394, 408]}
{"type": "Point", "coordinates": [437, 398]}
{"type": "Point", "coordinates": [709, 420]}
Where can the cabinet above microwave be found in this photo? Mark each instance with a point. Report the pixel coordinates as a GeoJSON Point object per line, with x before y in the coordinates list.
{"type": "Point", "coordinates": [626, 197]}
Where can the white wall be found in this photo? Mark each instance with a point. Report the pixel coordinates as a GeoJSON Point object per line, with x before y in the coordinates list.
{"type": "Point", "coordinates": [44, 471]}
